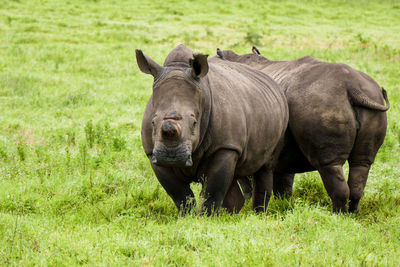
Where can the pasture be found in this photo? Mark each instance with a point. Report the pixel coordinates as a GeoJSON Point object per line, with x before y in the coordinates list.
{"type": "Point", "coordinates": [75, 185]}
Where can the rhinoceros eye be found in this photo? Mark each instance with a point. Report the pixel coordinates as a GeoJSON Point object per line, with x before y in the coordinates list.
{"type": "Point", "coordinates": [152, 122]}
{"type": "Point", "coordinates": [194, 123]}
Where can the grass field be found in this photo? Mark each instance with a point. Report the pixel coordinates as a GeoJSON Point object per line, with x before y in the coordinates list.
{"type": "Point", "coordinates": [75, 185]}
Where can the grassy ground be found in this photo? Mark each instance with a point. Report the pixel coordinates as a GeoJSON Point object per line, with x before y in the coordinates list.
{"type": "Point", "coordinates": [75, 185]}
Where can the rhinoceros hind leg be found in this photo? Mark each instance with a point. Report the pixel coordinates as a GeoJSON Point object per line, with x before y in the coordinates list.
{"type": "Point", "coordinates": [283, 184]}
{"type": "Point", "coordinates": [234, 199]}
{"type": "Point", "coordinates": [369, 139]}
{"type": "Point", "coordinates": [336, 186]}
{"type": "Point", "coordinates": [263, 183]}
{"type": "Point", "coordinates": [357, 180]}
{"type": "Point", "coordinates": [247, 187]}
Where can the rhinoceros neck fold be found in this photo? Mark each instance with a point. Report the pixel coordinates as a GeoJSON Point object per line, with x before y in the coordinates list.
{"type": "Point", "coordinates": [204, 141]}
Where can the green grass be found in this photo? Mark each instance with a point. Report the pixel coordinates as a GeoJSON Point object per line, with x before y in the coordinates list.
{"type": "Point", "coordinates": [75, 185]}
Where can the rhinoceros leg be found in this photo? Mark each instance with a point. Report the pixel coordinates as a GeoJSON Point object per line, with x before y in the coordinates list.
{"type": "Point", "coordinates": [263, 183]}
{"type": "Point", "coordinates": [178, 189]}
{"type": "Point", "coordinates": [283, 184]}
{"type": "Point", "coordinates": [336, 186]}
{"type": "Point", "coordinates": [234, 199]}
{"type": "Point", "coordinates": [246, 186]}
{"type": "Point", "coordinates": [368, 141]}
{"type": "Point", "coordinates": [357, 180]}
{"type": "Point", "coordinates": [219, 177]}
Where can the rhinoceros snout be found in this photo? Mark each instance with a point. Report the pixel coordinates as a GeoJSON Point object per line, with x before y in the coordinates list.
{"type": "Point", "coordinates": [176, 156]}
{"type": "Point", "coordinates": [189, 162]}
{"type": "Point", "coordinates": [163, 162]}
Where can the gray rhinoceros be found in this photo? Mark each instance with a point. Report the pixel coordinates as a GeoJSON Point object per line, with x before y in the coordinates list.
{"type": "Point", "coordinates": [336, 113]}
{"type": "Point", "coordinates": [201, 124]}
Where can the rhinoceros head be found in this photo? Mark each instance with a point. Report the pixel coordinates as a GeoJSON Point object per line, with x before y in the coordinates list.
{"type": "Point", "coordinates": [176, 106]}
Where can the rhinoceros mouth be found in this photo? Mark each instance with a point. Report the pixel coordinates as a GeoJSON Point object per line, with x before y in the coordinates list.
{"type": "Point", "coordinates": [172, 156]}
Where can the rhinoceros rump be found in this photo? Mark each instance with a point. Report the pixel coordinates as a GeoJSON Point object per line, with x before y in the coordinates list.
{"type": "Point", "coordinates": [336, 114]}
{"type": "Point", "coordinates": [202, 124]}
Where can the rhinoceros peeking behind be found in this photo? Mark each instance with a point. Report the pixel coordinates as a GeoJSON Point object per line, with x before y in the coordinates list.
{"type": "Point", "coordinates": [336, 114]}
{"type": "Point", "coordinates": [202, 122]}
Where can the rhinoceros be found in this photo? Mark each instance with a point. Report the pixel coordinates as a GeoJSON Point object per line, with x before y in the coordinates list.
{"type": "Point", "coordinates": [336, 113]}
{"type": "Point", "coordinates": [201, 124]}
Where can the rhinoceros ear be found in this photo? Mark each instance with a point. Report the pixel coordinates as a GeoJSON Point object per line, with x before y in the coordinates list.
{"type": "Point", "coordinates": [146, 64]}
{"type": "Point", "coordinates": [199, 65]}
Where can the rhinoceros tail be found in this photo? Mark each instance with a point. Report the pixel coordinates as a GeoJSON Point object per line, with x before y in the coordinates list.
{"type": "Point", "coordinates": [360, 99]}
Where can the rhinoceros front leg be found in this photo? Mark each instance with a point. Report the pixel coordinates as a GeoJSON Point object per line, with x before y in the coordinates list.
{"type": "Point", "coordinates": [177, 188]}
{"type": "Point", "coordinates": [263, 183]}
{"type": "Point", "coordinates": [218, 179]}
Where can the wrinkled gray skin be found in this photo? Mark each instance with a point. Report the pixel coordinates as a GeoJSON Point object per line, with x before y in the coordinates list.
{"type": "Point", "coordinates": [336, 114]}
{"type": "Point", "coordinates": [201, 124]}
